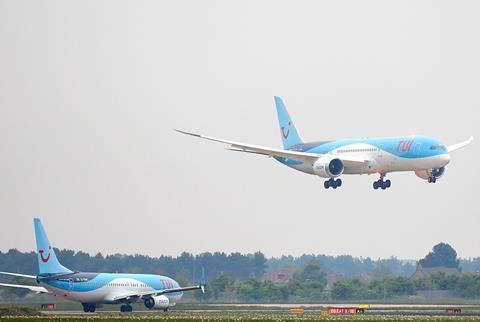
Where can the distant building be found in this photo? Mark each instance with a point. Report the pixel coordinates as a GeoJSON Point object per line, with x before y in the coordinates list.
{"type": "Point", "coordinates": [366, 278]}
{"type": "Point", "coordinates": [425, 272]}
{"type": "Point", "coordinates": [280, 277]}
{"type": "Point", "coordinates": [333, 278]}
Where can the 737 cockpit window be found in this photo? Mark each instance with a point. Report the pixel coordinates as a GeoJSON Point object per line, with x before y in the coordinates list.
{"type": "Point", "coordinates": [438, 147]}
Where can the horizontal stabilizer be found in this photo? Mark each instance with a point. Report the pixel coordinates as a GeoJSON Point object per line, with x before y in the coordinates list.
{"type": "Point", "coordinates": [36, 289]}
{"type": "Point", "coordinates": [19, 275]}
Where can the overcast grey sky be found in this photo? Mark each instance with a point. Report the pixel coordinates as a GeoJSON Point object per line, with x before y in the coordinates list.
{"type": "Point", "coordinates": [91, 90]}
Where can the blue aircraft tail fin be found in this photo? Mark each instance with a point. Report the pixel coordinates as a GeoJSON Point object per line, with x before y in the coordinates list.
{"type": "Point", "coordinates": [48, 263]}
{"type": "Point", "coordinates": [288, 131]}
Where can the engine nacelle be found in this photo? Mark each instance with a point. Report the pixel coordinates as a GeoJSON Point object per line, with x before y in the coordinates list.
{"type": "Point", "coordinates": [328, 167]}
{"type": "Point", "coordinates": [160, 302]}
{"type": "Point", "coordinates": [424, 174]}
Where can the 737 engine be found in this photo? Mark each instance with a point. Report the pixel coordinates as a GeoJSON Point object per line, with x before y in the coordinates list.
{"type": "Point", "coordinates": [328, 167]}
{"type": "Point", "coordinates": [160, 302]}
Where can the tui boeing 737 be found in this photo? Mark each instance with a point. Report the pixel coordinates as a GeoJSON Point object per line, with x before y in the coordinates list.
{"type": "Point", "coordinates": [95, 289]}
{"type": "Point", "coordinates": [426, 156]}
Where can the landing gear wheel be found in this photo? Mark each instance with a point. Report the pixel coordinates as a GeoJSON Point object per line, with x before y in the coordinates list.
{"type": "Point", "coordinates": [126, 308]}
{"type": "Point", "coordinates": [380, 183]}
{"type": "Point", "coordinates": [339, 182]}
{"type": "Point", "coordinates": [88, 307]}
{"type": "Point", "coordinates": [332, 183]}
{"type": "Point", "coordinates": [388, 183]}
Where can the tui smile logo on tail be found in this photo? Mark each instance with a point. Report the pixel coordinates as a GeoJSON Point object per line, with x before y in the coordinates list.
{"type": "Point", "coordinates": [285, 134]}
{"type": "Point", "coordinates": [45, 259]}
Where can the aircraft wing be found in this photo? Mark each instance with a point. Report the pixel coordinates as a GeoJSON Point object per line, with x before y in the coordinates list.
{"type": "Point", "coordinates": [36, 289]}
{"type": "Point", "coordinates": [305, 157]}
{"type": "Point", "coordinates": [19, 275]}
{"type": "Point", "coordinates": [135, 296]}
{"type": "Point", "coordinates": [460, 145]}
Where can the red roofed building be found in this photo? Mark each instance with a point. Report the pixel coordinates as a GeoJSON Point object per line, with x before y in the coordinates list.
{"type": "Point", "coordinates": [280, 277]}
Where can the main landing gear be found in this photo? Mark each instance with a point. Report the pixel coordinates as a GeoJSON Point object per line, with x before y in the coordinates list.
{"type": "Point", "coordinates": [380, 183]}
{"type": "Point", "coordinates": [88, 307]}
{"type": "Point", "coordinates": [126, 308]}
{"type": "Point", "coordinates": [432, 179]}
{"type": "Point", "coordinates": [332, 183]}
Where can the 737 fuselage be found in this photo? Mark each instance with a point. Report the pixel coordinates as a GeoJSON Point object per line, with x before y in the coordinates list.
{"type": "Point", "coordinates": [110, 288]}
{"type": "Point", "coordinates": [95, 289]}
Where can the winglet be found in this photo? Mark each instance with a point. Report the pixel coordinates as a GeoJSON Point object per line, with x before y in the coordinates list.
{"type": "Point", "coordinates": [460, 145]}
{"type": "Point", "coordinates": [203, 281]}
{"type": "Point", "coordinates": [188, 133]}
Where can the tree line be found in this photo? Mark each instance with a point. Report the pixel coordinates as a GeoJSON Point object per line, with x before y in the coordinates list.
{"type": "Point", "coordinates": [308, 285]}
{"type": "Point", "coordinates": [236, 265]}
{"type": "Point", "coordinates": [464, 285]}
{"type": "Point", "coordinates": [236, 277]}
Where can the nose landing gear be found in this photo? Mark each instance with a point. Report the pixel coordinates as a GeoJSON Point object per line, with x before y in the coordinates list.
{"type": "Point", "coordinates": [380, 183]}
{"type": "Point", "coordinates": [332, 183]}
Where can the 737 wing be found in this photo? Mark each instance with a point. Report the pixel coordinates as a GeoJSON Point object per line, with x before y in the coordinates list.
{"type": "Point", "coordinates": [304, 157]}
{"type": "Point", "coordinates": [135, 296]}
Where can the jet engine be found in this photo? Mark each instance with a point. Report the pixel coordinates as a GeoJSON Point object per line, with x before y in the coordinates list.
{"type": "Point", "coordinates": [425, 174]}
{"type": "Point", "coordinates": [160, 302]}
{"type": "Point", "coordinates": [328, 167]}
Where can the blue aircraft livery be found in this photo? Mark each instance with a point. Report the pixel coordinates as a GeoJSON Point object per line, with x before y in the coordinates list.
{"type": "Point", "coordinates": [95, 289]}
{"type": "Point", "coordinates": [423, 155]}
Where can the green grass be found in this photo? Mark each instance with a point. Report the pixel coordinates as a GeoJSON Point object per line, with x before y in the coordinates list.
{"type": "Point", "coordinates": [257, 316]}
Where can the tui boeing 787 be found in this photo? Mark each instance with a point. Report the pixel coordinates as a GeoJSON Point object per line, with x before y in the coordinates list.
{"type": "Point", "coordinates": [423, 155]}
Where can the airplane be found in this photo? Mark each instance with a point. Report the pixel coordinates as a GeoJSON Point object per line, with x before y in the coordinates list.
{"type": "Point", "coordinates": [95, 289]}
{"type": "Point", "coordinates": [425, 156]}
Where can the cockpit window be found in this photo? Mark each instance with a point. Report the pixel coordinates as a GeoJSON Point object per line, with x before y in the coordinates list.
{"type": "Point", "coordinates": [438, 147]}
